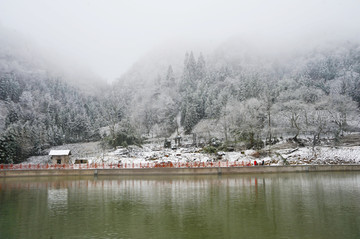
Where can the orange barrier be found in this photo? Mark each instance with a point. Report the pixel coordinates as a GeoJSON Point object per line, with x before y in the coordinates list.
{"type": "Point", "coordinates": [128, 165]}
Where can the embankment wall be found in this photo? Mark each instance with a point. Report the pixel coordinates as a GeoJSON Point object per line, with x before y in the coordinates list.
{"type": "Point", "coordinates": [178, 171]}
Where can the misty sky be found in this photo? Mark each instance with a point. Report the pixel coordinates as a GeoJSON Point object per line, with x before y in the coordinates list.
{"type": "Point", "coordinates": [110, 35]}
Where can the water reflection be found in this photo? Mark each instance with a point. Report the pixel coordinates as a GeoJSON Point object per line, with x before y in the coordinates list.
{"type": "Point", "coordinates": [312, 205]}
{"type": "Point", "coordinates": [57, 199]}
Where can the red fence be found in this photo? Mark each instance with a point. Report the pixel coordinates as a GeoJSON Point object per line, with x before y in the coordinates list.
{"type": "Point", "coordinates": [127, 165]}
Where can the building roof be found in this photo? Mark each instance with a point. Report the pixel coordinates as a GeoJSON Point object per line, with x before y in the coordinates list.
{"type": "Point", "coordinates": [60, 152]}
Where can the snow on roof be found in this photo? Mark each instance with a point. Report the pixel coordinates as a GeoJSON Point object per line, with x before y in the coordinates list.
{"type": "Point", "coordinates": [59, 152]}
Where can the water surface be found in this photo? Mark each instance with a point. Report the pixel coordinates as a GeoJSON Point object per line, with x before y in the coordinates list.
{"type": "Point", "coordinates": [297, 205]}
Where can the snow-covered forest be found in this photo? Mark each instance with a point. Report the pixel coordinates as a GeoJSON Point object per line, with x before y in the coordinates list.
{"type": "Point", "coordinates": [254, 99]}
{"type": "Point", "coordinates": [240, 98]}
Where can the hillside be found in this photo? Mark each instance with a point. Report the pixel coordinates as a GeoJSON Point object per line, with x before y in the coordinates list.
{"type": "Point", "coordinates": [39, 107]}
{"type": "Point", "coordinates": [252, 93]}
{"type": "Point", "coordinates": [239, 95]}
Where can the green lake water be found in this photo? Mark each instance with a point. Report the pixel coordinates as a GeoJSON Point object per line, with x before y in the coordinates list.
{"type": "Point", "coordinates": [297, 205]}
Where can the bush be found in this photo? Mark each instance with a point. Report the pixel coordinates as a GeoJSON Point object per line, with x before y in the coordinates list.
{"type": "Point", "coordinates": [121, 139]}
{"type": "Point", "coordinates": [210, 149]}
{"type": "Point", "coordinates": [252, 140]}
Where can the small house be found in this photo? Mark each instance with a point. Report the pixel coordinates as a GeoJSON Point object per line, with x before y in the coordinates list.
{"type": "Point", "coordinates": [60, 156]}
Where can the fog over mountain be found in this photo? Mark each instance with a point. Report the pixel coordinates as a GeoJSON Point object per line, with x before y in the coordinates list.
{"type": "Point", "coordinates": [111, 36]}
{"type": "Point", "coordinates": [19, 53]}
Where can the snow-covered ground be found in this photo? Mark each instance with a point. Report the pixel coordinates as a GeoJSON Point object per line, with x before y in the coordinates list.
{"type": "Point", "coordinates": [325, 155]}
{"type": "Point", "coordinates": [157, 154]}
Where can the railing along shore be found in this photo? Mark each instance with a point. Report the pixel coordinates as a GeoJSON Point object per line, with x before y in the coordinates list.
{"type": "Point", "coordinates": [127, 165]}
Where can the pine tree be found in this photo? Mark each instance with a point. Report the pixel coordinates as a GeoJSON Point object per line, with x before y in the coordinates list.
{"type": "Point", "coordinates": [170, 78]}
{"type": "Point", "coordinates": [10, 150]}
{"type": "Point", "coordinates": [188, 83]}
{"type": "Point", "coordinates": [201, 68]}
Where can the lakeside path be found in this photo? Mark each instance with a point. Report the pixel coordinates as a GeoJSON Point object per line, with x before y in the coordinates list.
{"type": "Point", "coordinates": [178, 171]}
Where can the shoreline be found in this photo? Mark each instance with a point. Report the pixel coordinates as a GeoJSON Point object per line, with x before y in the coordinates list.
{"type": "Point", "coordinates": [178, 171]}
